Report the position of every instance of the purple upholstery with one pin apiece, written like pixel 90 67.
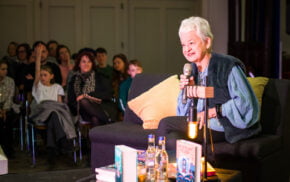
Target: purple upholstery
pixel 128 132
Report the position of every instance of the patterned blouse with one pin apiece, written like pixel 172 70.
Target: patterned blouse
pixel 7 88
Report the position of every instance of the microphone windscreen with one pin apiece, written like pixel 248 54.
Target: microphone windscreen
pixel 187 69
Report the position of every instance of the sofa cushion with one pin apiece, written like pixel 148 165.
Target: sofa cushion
pixel 258 84
pixel 158 102
pixel 121 133
pixel 140 84
pixel 258 147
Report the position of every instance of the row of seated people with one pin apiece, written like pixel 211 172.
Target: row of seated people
pixel 89 93
pixel 21 61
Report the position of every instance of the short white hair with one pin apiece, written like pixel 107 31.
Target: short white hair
pixel 198 24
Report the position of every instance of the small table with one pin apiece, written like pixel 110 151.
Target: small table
pixel 227 175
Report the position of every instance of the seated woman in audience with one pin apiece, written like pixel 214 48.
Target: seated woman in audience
pixel 92 91
pixel 135 68
pixel 64 62
pixel 6 99
pixel 120 65
pixel 49 109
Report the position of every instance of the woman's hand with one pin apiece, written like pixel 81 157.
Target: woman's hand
pixel 29 77
pixel 201 119
pixel 80 97
pixel 185 81
pixel 38 51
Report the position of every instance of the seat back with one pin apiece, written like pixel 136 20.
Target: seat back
pixel 140 84
pixel 275 110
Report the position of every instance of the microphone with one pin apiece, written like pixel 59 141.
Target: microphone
pixel 187 69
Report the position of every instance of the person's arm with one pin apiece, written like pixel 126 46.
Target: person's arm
pixel 242 109
pixel 38 51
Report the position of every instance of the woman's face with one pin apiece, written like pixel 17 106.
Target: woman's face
pixel 119 65
pixel 193 47
pixel 22 54
pixel 3 70
pixel 85 64
pixel 64 54
pixel 12 50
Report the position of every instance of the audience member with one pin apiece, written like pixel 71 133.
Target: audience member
pixel 27 77
pixel 23 53
pixel 11 59
pixel 64 62
pixel 54 67
pixel 135 68
pixel 90 93
pixel 7 88
pixel 49 108
pixel 51 47
pixel 120 65
pixel 102 66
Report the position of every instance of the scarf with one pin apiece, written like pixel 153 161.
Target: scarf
pixel 84 83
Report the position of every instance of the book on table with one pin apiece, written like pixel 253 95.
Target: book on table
pixel 188 161
pixel 126 160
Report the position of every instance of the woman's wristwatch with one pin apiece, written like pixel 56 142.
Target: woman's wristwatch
pixel 219 111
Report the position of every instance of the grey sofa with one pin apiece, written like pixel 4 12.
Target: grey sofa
pixel 262 158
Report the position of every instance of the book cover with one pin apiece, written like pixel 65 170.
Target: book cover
pixel 188 161
pixel 126 163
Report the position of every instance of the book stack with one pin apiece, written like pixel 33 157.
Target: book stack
pixel 106 174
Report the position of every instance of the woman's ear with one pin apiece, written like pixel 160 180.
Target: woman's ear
pixel 208 42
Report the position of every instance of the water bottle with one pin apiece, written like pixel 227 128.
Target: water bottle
pixel 161 161
pixel 150 159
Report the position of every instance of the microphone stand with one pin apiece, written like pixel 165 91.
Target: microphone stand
pixel 192 117
pixel 205 136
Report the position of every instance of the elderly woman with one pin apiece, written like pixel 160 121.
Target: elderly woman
pixel 233 112
pixel 92 91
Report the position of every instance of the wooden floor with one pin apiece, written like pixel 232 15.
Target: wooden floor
pixel 20 167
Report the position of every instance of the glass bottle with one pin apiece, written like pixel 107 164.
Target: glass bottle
pixel 150 159
pixel 161 161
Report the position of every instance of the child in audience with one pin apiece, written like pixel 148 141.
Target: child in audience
pixel 49 109
pixel 45 61
pixel 135 68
